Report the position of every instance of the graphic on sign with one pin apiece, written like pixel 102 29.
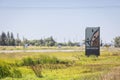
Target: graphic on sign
pixel 92 41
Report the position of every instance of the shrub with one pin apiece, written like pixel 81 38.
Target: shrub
pixel 43 59
pixel 40 60
pixel 16 73
pixel 4 71
pixel 8 71
pixel 28 61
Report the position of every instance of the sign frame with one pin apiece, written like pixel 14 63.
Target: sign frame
pixel 92 41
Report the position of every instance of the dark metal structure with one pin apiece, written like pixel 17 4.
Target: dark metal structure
pixel 92 41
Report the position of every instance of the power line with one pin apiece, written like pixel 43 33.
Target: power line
pixel 62 7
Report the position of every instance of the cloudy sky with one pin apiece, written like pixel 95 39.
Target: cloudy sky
pixel 63 19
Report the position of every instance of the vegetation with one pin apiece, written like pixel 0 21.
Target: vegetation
pixel 117 41
pixel 7 39
pixel 60 66
pixel 6 70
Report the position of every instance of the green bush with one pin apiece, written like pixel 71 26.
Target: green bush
pixel 40 60
pixel 28 61
pixel 16 73
pixel 7 70
pixel 4 71
pixel 44 59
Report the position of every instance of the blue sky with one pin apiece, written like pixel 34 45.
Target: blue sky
pixel 63 19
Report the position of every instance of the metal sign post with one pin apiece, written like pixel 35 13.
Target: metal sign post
pixel 92 41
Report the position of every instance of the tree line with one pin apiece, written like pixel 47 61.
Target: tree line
pixel 8 39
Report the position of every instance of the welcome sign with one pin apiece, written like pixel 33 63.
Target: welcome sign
pixel 92 41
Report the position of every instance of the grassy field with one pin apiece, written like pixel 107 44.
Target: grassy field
pixel 61 65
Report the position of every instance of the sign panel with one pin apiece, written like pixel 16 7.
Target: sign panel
pixel 92 41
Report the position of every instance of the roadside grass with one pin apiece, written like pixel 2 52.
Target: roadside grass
pixel 79 67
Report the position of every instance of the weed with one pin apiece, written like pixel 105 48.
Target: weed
pixel 9 71
pixel 16 73
pixel 37 70
pixel 4 70
pixel 28 61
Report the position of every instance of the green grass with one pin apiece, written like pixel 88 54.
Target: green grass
pixel 70 65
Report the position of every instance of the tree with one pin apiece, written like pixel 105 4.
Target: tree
pixel 117 41
pixel 12 40
pixel 50 41
pixel 42 42
pixel 25 41
pixel 0 40
pixel 8 38
pixel 70 43
pixel 3 39
pixel 18 41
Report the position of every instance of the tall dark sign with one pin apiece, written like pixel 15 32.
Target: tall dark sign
pixel 92 41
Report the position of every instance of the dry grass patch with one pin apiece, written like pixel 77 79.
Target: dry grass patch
pixel 114 74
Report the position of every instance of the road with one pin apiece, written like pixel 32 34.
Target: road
pixel 14 51
pixel 48 50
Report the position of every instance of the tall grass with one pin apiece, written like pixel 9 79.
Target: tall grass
pixel 4 71
pixel 7 70
pixel 113 74
pixel 44 61
pixel 37 70
pixel 62 66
